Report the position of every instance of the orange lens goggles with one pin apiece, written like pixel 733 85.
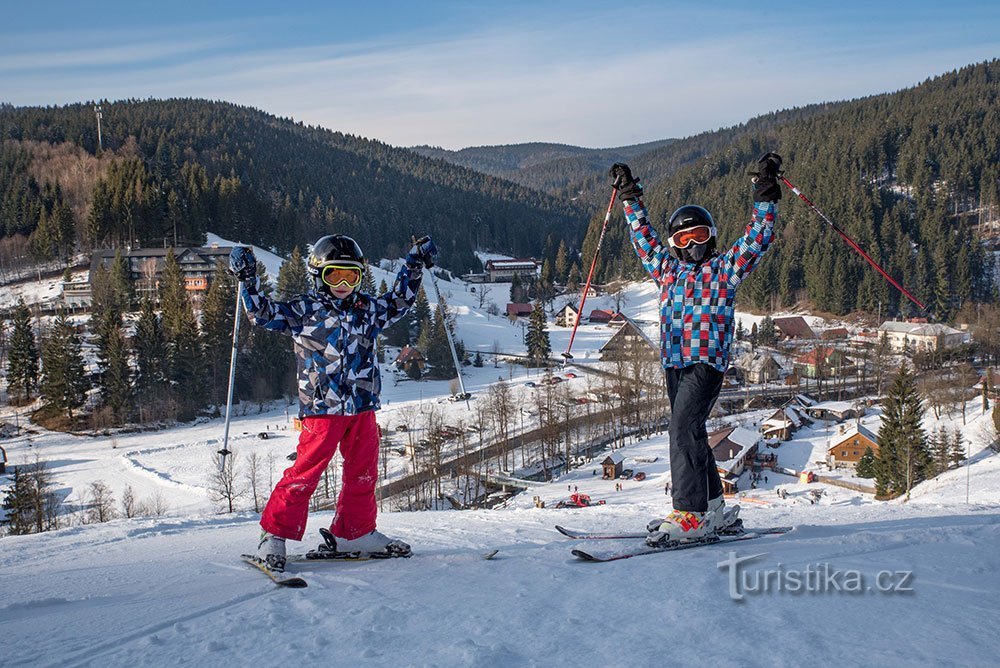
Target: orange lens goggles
pixel 692 235
pixel 336 275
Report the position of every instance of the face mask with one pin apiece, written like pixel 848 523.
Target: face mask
pixel 694 253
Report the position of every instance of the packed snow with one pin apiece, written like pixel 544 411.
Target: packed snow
pixel 170 589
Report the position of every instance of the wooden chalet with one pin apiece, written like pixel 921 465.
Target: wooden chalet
pixel 566 317
pixel 757 367
pixel 831 361
pixel 600 316
pixel 630 342
pixel 519 310
pixel 849 444
pixel 409 355
pixel 834 334
pixel 613 465
pixel 733 448
pixel 837 411
pixel 793 327
pixel 783 423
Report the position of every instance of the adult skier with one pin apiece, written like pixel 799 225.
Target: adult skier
pixel 333 328
pixel 697 293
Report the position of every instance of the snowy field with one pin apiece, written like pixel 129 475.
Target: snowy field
pixel 170 590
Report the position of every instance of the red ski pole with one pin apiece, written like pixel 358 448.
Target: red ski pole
pixel 855 246
pixel 590 275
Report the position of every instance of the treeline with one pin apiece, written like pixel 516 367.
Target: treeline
pixel 909 175
pixel 191 166
pixel 142 358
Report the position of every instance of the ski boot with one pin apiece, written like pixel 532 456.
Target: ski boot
pixel 375 545
pixel 682 526
pixel 271 551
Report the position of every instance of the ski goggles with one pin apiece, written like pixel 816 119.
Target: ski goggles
pixel 699 234
pixel 336 275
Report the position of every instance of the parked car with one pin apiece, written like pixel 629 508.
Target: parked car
pixel 641 475
pixel 530 383
pixel 627 474
pixel 571 375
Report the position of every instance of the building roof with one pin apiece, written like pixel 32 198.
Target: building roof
pixel 600 315
pixel 794 327
pixel 511 264
pixel 824 353
pixel 519 309
pixel 917 328
pixel 408 353
pixel 804 400
pixel 839 439
pixel 754 361
pixel 627 328
pixel 833 406
pixel 783 417
pixel 569 305
pixel 834 333
pixel 731 444
pixel 614 458
pixel 185 255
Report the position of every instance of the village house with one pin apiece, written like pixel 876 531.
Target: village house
pixel 758 367
pixel 733 448
pixel 566 317
pixel 834 334
pixel 849 444
pixel 504 271
pixel 793 327
pixel 600 316
pixel 920 336
pixel 783 423
pixel 836 411
pixel 617 320
pixel 613 465
pixel 519 310
pixel 824 361
pixel 408 355
pixel 630 342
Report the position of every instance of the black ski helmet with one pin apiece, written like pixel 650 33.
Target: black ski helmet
pixel 333 249
pixel 687 216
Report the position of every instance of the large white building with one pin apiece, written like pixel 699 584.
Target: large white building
pixel 505 270
pixel 920 336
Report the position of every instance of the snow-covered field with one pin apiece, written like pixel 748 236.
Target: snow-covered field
pixel 169 590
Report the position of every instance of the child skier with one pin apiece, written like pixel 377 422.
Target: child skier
pixel 333 328
pixel 697 292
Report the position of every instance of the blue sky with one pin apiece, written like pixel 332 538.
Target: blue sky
pixel 457 74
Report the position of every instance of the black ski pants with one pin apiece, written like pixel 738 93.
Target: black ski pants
pixel 693 475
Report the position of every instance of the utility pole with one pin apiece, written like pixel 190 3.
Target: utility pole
pixel 99 114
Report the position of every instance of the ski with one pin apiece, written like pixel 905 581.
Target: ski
pixel 597 535
pixel 316 555
pixel 279 579
pixel 628 553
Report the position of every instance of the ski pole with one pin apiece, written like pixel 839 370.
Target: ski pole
pixel 447 332
pixel 232 380
pixel 590 275
pixel 850 242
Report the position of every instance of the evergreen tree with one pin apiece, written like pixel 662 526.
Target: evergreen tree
pixel 902 459
pixel 539 347
pixel 22 355
pixel 116 373
pixel 767 334
pixel 438 350
pixel 419 315
pixel 561 266
pixel 573 279
pixel 956 456
pixel 266 369
pixel 150 361
pixel 293 279
pixel 477 361
pixel 368 281
pixel 64 384
pixel 217 313
pixel 185 364
pixel 866 465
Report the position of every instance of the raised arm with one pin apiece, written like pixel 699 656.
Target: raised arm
pixel 655 257
pixel 263 311
pixel 398 300
pixel 742 258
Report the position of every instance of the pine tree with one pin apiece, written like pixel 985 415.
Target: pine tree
pixel 561 266
pixel 116 373
pixel 64 384
pixel 420 314
pixel 266 367
pixel 438 350
pixel 368 281
pixel 956 455
pixel 293 279
pixel 902 459
pixel 184 346
pixel 22 356
pixel 150 361
pixel 866 465
pixel 767 334
pixel 539 347
pixel 217 313
pixel 573 279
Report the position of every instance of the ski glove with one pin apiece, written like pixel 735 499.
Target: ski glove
pixel 423 252
pixel 621 177
pixel 765 181
pixel 242 263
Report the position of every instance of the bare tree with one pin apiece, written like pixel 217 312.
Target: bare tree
pixel 129 504
pixel 253 473
pixel 101 503
pixel 224 484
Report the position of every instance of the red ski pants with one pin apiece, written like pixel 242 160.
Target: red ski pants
pixel 288 507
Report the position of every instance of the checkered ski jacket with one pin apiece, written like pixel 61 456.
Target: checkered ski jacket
pixel 696 301
pixel 335 340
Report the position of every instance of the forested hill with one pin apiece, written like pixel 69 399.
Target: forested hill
pixel 911 176
pixel 542 166
pixel 193 166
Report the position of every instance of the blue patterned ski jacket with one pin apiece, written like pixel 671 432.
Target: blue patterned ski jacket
pixel 697 301
pixel 334 340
